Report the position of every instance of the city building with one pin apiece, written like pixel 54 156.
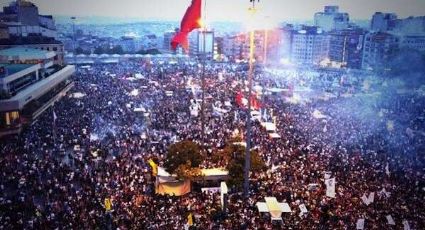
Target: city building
pixel 410 26
pixel 413 42
pixel 346 48
pixel 21 25
pixel 331 19
pixel 382 22
pixel 378 48
pixel 196 43
pixel 36 42
pixel 22 19
pixel 234 46
pixel 218 52
pixel 309 46
pixel 237 47
pixel 168 37
pixel 30 82
pixel 149 42
pixel 285 42
pixel 130 44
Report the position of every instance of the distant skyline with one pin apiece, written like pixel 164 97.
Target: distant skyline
pixel 225 10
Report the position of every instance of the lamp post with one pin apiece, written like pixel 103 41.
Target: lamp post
pixel 74 40
pixel 248 117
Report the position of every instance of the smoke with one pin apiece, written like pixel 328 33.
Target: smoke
pixel 102 128
pixel 360 106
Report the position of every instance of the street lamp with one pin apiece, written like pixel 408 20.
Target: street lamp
pixel 247 167
pixel 73 40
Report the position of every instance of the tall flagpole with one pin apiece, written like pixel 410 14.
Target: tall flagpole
pixel 203 80
pixel 248 119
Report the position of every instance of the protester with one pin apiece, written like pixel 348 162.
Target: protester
pixel 58 172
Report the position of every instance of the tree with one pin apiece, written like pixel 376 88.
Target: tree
pixel 99 50
pixel 234 155
pixel 183 158
pixel 116 50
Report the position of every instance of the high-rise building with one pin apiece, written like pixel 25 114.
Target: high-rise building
pixel 285 43
pixel 378 48
pixel 168 37
pixel 196 43
pixel 32 71
pixel 21 25
pixel 331 19
pixel 410 26
pixel 382 22
pixel 346 47
pixel 309 46
pixel 234 46
pixel 30 83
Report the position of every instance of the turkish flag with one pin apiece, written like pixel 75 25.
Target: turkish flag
pixel 190 21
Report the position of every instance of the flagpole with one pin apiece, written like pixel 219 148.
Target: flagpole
pixel 203 80
pixel 248 119
pixel 54 126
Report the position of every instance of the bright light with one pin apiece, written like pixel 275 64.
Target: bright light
pixel 257 19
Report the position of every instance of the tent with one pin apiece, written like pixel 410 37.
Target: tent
pixel 274 207
pixel 176 188
pixel 274 135
pixel 269 126
pixel 168 184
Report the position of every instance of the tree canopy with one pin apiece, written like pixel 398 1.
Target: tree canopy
pixel 183 158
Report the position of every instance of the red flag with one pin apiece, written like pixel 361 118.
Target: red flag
pixel 243 102
pixel 239 98
pixel 190 21
pixel 255 104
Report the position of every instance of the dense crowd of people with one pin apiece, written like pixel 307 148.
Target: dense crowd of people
pixel 58 172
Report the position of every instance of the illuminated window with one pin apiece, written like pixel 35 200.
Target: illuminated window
pixel 11 118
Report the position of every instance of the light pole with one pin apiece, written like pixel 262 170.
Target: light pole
pixel 248 117
pixel 73 41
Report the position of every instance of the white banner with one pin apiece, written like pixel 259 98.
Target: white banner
pixel 390 220
pixel 330 187
pixel 360 224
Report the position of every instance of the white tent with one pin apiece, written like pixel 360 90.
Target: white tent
pixel 274 135
pixel 274 207
pixel 269 126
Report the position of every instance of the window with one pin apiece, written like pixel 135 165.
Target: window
pixel 10 118
pixel 55 49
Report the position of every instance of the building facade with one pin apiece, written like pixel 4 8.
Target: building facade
pixel 346 47
pixel 21 25
pixel 382 22
pixel 168 37
pixel 331 19
pixel 309 46
pixel 29 83
pixel 413 42
pixel 378 48
pixel 196 43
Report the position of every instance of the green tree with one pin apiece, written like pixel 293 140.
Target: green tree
pixel 183 158
pixel 234 155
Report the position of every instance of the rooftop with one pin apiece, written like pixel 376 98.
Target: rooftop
pixel 24 53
